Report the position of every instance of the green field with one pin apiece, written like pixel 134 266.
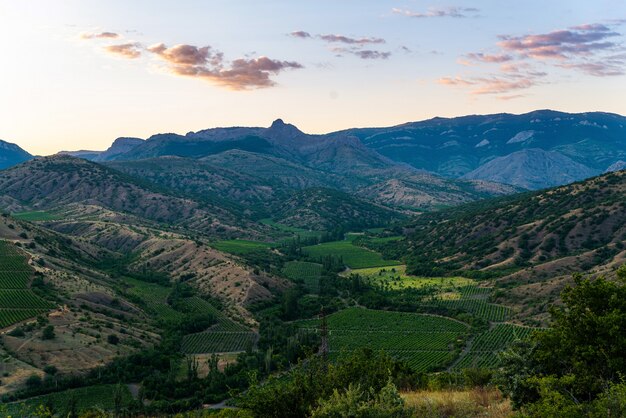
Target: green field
pixel 308 273
pixel 101 396
pixel 395 277
pixel 425 342
pixel 154 297
pixel 217 342
pixel 17 301
pixel 38 215
pixel 240 246
pixel 486 346
pixel 352 256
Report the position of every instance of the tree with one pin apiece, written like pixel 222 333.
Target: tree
pixel 48 333
pixel 580 360
pixel 113 339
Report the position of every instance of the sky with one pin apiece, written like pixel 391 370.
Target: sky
pixel 76 74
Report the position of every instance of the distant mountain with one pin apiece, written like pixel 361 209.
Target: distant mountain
pixel 12 154
pixel 119 147
pixel 532 169
pixel 332 152
pixel 454 147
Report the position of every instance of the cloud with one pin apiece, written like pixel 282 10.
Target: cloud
pixel 128 50
pixel 351 41
pixel 456 12
pixel 101 35
pixel 561 44
pixel 488 58
pixel 210 65
pixel 300 34
pixel 590 48
pixel 597 69
pixel 184 54
pixel 492 84
pixel 368 54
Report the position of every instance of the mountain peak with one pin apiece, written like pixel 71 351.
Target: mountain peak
pixel 278 123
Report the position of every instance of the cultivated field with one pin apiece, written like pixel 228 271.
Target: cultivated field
pixel 354 257
pixel 100 396
pixel 426 342
pixel 308 273
pixel 240 246
pixel 485 347
pixel 17 301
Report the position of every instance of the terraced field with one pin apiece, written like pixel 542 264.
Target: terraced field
pixel 426 342
pixel 17 301
pixel 486 346
pixel 308 273
pixel 100 396
pixel 354 257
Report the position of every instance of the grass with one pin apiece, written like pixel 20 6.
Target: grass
pixel 100 396
pixel 478 402
pixel 352 256
pixel 395 277
pixel 425 342
pixel 38 215
pixel 240 246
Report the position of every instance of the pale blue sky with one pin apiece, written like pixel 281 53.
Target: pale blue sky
pixel 61 91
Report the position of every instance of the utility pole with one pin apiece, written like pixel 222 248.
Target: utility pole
pixel 324 335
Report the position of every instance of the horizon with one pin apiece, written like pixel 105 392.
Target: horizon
pixel 105 70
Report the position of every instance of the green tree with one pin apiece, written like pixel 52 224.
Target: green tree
pixel 48 333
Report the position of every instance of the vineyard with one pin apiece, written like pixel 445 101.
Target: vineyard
pixel 478 307
pixel 154 297
pixel 101 396
pixel 485 347
pixel 352 256
pixel 224 323
pixel 308 273
pixel 17 301
pixel 426 342
pixel 218 342
pixel 239 246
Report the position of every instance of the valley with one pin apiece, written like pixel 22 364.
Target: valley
pixel 160 275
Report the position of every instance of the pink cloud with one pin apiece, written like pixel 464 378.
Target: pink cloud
pixel 129 50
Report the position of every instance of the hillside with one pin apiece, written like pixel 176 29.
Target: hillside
pixel 456 146
pixel 326 209
pixel 59 181
pixel 12 154
pixel 530 242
